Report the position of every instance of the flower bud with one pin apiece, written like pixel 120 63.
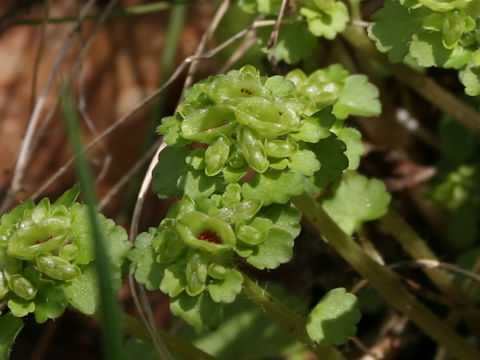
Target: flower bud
pixel 253 150
pixel 280 148
pixel 56 267
pixel 22 287
pixel 196 274
pixel 216 156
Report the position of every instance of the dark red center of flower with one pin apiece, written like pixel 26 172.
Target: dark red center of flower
pixel 210 236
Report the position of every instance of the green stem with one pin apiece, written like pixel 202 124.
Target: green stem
pixel 132 10
pixel 421 84
pixel 179 348
pixel 418 249
pixel 294 323
pixel 384 281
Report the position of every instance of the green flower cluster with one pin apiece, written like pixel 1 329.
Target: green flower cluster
pixel 190 255
pixel 442 33
pixel 253 143
pixel 46 256
pixel 247 121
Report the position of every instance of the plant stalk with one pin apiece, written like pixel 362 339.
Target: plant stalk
pixel 181 350
pixel 295 324
pixel 384 281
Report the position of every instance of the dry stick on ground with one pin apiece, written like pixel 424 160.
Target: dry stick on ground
pixel 25 150
pixel 150 98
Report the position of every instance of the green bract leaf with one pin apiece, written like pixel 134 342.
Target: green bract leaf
pixel 277 248
pixel 143 265
pixel 82 292
pixel 316 126
pixel 427 49
pixel 11 327
pixel 304 162
pixel 227 289
pixel 68 197
pixel 273 187
pixel 357 97
pixel 174 280
pixel 170 128
pixel 200 311
pixel 354 200
pixel 166 175
pixel 50 301
pixel 334 318
pixel 326 22
pixel 284 217
pixel 394 36
pixel 354 147
pixel 288 48
pixel 470 78
pixel 330 153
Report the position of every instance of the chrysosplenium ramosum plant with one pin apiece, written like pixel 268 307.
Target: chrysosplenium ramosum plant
pixel 47 258
pixel 441 33
pixel 240 147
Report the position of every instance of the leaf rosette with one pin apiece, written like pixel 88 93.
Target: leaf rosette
pixel 44 250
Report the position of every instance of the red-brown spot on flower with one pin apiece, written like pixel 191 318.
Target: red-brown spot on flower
pixel 42 241
pixel 210 236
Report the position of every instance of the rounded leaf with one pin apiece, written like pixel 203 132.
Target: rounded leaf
pixel 334 318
